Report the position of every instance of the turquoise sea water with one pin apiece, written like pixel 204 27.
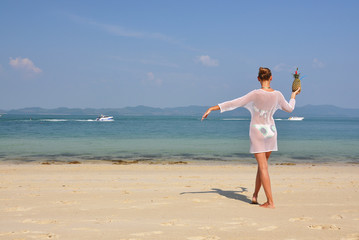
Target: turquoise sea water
pixel 156 138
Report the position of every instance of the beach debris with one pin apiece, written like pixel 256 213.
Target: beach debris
pixel 168 162
pixel 48 162
pixel 178 162
pixel 122 162
pixel 74 162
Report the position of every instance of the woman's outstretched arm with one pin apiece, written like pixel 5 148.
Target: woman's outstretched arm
pixel 209 110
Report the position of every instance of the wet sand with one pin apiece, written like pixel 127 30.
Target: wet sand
pixel 193 201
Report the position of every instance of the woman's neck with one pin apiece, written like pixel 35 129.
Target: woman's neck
pixel 265 84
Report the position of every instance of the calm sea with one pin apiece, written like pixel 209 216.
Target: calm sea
pixel 156 138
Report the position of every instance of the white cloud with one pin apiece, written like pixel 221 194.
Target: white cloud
pixel 317 64
pixel 24 64
pixel 280 67
pixel 150 76
pixel 118 30
pixel 151 79
pixel 207 61
pixel 121 31
pixel 112 29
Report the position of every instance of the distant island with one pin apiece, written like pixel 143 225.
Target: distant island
pixel 305 111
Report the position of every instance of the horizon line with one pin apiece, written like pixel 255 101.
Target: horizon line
pixel 94 108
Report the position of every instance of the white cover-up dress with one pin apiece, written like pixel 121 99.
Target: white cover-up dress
pixel 262 105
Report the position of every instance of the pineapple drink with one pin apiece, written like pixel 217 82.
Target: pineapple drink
pixel 296 83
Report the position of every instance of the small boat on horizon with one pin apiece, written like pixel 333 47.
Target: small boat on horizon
pixel 104 118
pixel 295 118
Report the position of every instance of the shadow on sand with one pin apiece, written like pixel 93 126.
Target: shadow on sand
pixel 236 195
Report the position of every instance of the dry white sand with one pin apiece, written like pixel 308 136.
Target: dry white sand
pixel 191 202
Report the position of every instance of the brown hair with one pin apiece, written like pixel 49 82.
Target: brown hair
pixel 264 73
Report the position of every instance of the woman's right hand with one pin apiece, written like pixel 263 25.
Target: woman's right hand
pixel 294 94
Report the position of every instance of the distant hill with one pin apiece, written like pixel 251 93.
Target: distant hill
pixel 305 111
pixel 325 111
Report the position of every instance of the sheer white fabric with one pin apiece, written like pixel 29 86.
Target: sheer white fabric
pixel 262 105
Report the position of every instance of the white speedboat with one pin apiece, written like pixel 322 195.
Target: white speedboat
pixel 296 118
pixel 104 118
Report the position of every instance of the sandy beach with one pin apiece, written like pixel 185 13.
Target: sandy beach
pixel 194 201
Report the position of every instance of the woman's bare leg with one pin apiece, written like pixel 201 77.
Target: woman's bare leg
pixel 257 188
pixel 258 183
pixel 262 160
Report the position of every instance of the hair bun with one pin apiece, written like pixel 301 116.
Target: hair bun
pixel 264 73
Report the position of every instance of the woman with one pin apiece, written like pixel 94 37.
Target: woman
pixel 262 104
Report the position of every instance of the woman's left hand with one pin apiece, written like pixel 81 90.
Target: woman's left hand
pixel 205 115
pixel 209 110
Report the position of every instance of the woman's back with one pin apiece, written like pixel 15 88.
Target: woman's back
pixel 262 106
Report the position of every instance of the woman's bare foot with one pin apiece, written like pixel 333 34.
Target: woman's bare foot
pixel 267 205
pixel 254 200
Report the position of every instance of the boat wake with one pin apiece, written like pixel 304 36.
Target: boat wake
pixel 68 120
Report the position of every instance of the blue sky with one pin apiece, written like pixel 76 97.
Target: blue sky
pixel 174 53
